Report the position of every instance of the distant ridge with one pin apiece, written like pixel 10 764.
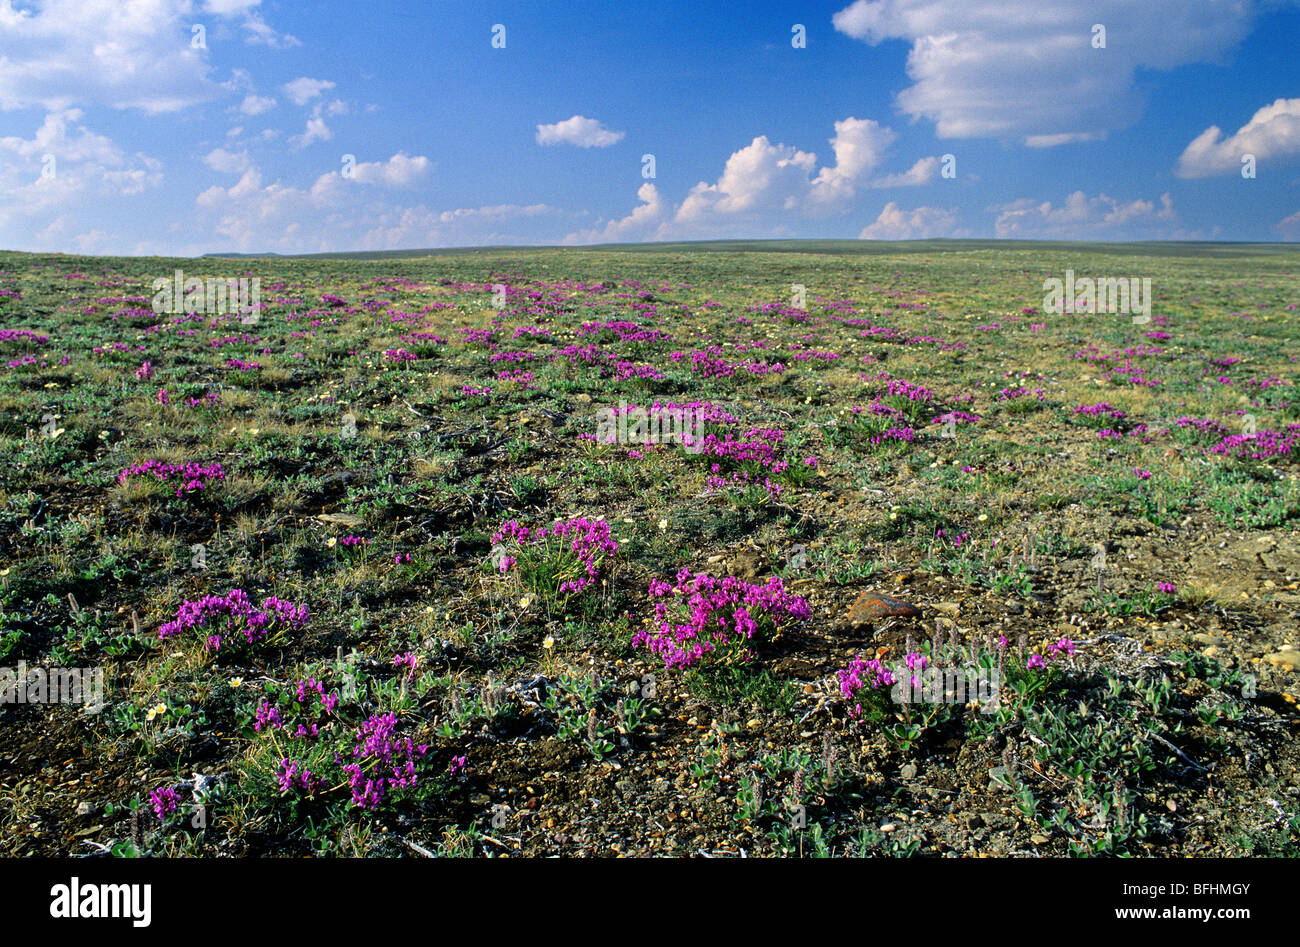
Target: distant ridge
pixel 815 246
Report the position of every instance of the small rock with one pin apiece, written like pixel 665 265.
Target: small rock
pixel 350 520
pixel 1039 839
pixel 870 607
pixel 1284 659
pixel 908 771
pixel 746 564
pixel 951 609
pixel 85 809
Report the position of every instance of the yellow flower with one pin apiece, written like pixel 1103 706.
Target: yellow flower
pixel 525 602
pixel 332 542
pixel 548 643
pixel 155 710
pixel 236 682
pixel 983 517
pixel 663 524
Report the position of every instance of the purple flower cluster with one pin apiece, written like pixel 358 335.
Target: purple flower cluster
pixel 13 335
pixel 901 387
pixel 1061 646
pixel 294 775
pixel 1100 409
pixel 1020 391
pixel 901 435
pixel 241 617
pixel 1258 446
pixel 310 706
pixel 378 749
pixel 709 363
pixel 862 673
pixel 209 400
pixel 956 417
pixel 193 476
pixel 702 614
pixel 588 540
pixel 756 449
pixel 625 330
pixel 740 479
pixel 164 802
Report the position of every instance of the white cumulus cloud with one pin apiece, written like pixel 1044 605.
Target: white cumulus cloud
pixel 401 170
pixel 134 54
pixel 1081 217
pixel 992 69
pixel 303 89
pixel 1272 132
pixel 894 223
pixel 580 131
pixel 646 222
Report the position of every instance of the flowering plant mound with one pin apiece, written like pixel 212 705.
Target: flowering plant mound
pixel 193 477
pixel 564 559
pixel 1261 445
pixel 18 335
pixel 381 761
pixel 233 620
pixel 703 618
pixel 310 748
pixel 874 674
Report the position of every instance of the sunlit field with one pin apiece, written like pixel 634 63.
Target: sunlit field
pixel 679 551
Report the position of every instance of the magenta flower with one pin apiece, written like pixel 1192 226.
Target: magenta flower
pixel 702 614
pixel 164 801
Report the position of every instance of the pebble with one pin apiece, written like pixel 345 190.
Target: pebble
pixel 1284 659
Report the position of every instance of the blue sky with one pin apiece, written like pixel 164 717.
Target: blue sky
pixel 124 130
